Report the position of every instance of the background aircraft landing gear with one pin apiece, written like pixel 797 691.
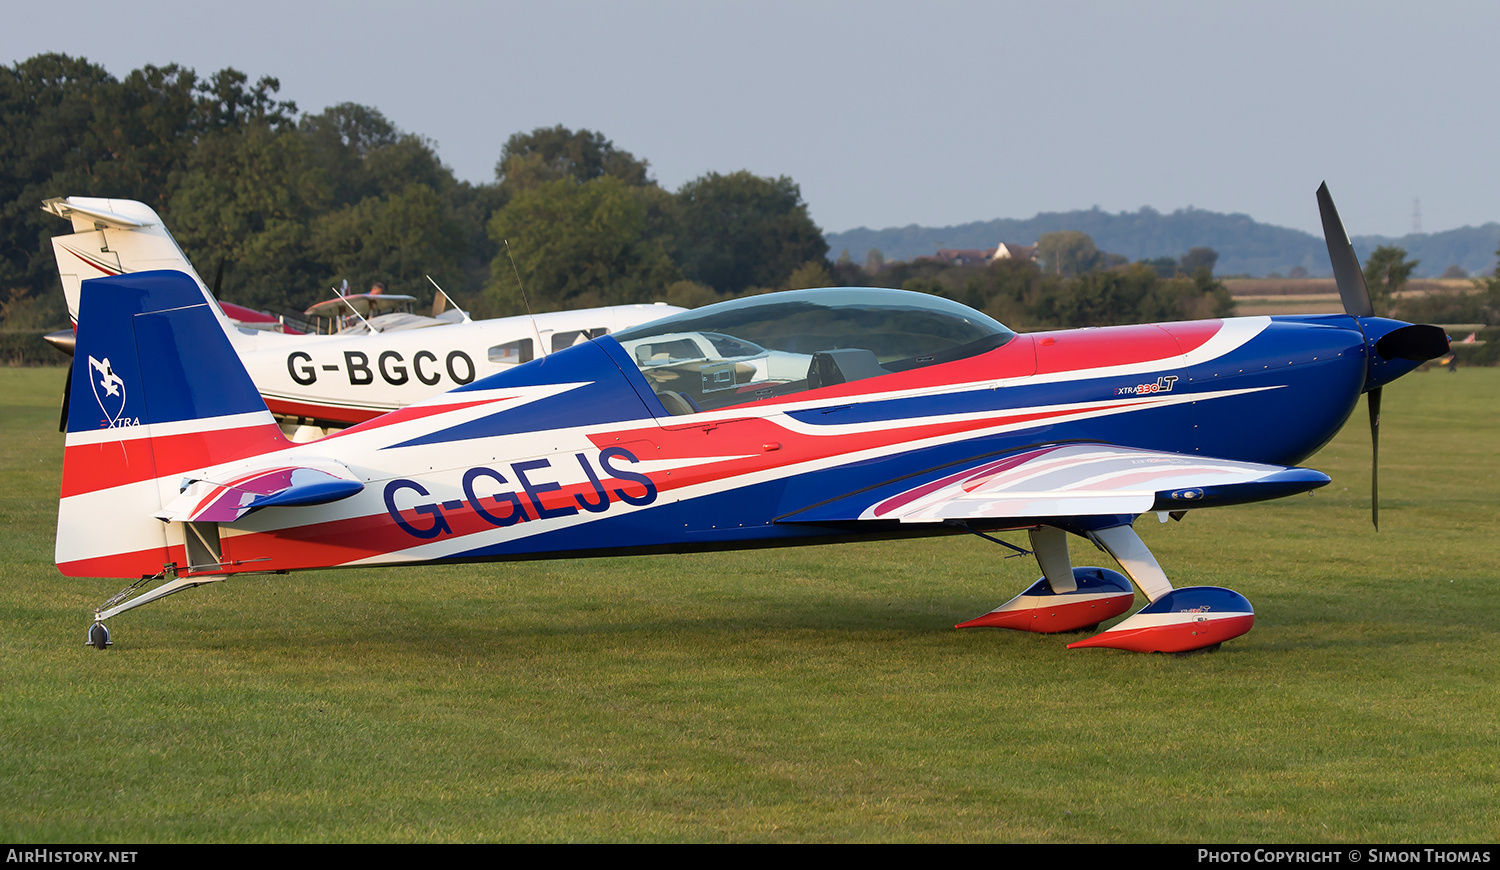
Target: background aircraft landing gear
pixel 98 636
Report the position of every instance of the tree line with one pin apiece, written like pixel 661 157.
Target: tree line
pixel 288 205
pixel 285 205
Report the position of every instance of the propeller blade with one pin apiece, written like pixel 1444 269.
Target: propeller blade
pixel 1346 271
pixel 219 277
pixel 1374 396
pixel 62 422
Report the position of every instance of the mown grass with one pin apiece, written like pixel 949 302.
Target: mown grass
pixel 811 694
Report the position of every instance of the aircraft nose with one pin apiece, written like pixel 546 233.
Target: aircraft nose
pixel 1397 347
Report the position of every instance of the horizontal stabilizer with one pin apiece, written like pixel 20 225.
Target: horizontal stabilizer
pixel 215 502
pixel 1077 480
pixel 89 212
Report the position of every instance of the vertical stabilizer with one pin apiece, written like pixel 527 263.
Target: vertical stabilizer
pixel 118 237
pixel 157 391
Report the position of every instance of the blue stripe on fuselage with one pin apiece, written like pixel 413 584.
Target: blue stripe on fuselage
pixel 605 397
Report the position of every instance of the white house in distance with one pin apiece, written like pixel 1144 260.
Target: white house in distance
pixel 980 256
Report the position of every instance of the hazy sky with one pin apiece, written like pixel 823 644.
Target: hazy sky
pixel 891 113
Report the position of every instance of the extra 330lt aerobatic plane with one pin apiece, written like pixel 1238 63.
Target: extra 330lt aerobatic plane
pixel 792 418
pixel 330 381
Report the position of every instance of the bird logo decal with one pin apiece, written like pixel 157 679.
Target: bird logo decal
pixel 109 390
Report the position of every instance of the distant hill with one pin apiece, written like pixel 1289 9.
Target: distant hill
pixel 1245 246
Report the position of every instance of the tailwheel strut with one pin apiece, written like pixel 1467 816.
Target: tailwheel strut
pixel 98 636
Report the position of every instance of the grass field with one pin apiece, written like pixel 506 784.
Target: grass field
pixel 791 695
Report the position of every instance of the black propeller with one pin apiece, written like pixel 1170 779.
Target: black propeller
pixel 1417 342
pixel 62 420
pixel 1357 304
pixel 1346 271
pixel 65 341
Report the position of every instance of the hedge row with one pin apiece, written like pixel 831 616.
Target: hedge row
pixel 28 349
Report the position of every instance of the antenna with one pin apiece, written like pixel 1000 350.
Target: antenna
pixel 450 298
pixel 368 325
pixel 540 351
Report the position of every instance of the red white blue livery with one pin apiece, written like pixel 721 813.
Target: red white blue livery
pixel 805 417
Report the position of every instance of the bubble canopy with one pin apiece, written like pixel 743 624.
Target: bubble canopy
pixel 761 347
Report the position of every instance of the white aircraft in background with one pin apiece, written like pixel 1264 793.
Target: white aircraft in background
pixel 377 362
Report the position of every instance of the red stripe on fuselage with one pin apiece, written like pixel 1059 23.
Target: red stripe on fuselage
pixel 140 563
pixel 1076 350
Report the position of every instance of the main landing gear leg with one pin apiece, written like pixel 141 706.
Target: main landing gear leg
pixel 1065 598
pixel 1078 599
pixel 1176 620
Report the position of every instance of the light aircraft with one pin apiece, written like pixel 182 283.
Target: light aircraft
pixel 382 361
pixel 803 417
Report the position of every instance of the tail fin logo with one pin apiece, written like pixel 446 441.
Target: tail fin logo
pixel 109 391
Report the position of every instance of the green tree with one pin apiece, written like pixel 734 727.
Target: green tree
pixel 67 127
pixel 47 145
pixel 813 273
pixel 397 240
pixel 550 153
pixel 248 198
pixel 362 154
pixel 577 245
pixel 1166 267
pixel 1199 258
pixel 1386 273
pixel 687 294
pixel 738 231
pixel 1068 253
pixel 226 103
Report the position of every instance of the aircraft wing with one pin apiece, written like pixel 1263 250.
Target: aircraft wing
pixel 281 486
pixel 1075 480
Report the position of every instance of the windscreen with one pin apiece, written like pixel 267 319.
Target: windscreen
pixel 761 347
